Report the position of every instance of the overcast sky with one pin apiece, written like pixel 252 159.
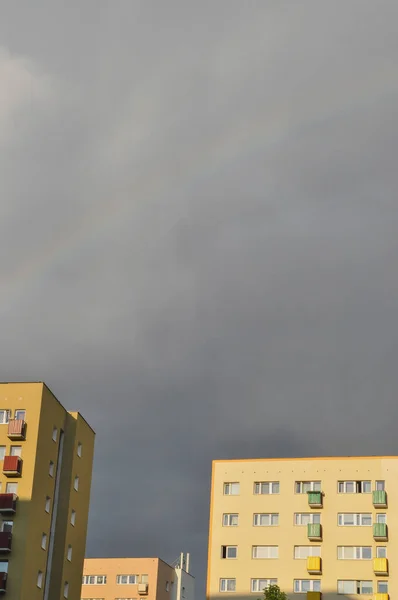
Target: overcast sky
pixel 199 239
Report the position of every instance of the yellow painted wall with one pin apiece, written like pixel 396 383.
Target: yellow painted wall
pixel 287 535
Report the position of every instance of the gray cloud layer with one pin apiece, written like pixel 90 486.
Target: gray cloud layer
pixel 198 234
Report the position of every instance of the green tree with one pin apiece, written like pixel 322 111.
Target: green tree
pixel 273 592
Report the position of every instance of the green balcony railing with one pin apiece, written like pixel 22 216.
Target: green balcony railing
pixel 314 531
pixel 380 531
pixel 315 499
pixel 380 498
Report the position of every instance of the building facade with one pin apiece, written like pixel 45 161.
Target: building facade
pixel 46 456
pixel 134 578
pixel 313 526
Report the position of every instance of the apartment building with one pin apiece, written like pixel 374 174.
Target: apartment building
pixel 134 578
pixel 313 526
pixel 46 456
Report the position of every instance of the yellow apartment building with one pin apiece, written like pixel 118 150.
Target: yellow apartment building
pixel 134 578
pixel 314 526
pixel 46 456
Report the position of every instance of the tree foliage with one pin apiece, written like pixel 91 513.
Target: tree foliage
pixel 273 592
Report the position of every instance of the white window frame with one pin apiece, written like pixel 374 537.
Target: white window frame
pixel 66 589
pixel 259 517
pixel 17 414
pixel 7 526
pixel 307 551
pixel 39 581
pixel 131 579
pixel 55 434
pixel 358 486
pixel 227 519
pixel 381 551
pixel 16 451
pixel 94 580
pixel 380 485
pixel 382 586
pixel 257 586
pixel 47 506
pixel 269 550
pixel 79 449
pixel 260 488
pixel 51 468
pixel 356 587
pixel 381 518
pixel 300 487
pixel 44 541
pixel 357 552
pixel 357 518
pixel 227 584
pixel 73 517
pixel 231 488
pixel 299 517
pixel 5 415
pixel 13 485
pixel 76 483
pixel 69 553
pixel 3 451
pixel 313 585
pixel 225 550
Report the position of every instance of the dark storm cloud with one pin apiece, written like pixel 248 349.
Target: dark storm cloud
pixel 198 240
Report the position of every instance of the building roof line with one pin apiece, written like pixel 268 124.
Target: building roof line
pixel 292 458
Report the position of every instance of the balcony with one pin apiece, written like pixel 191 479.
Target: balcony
pixel 380 499
pixel 16 429
pixel 3 583
pixel 316 596
pixel 381 596
pixel 380 566
pixel 315 499
pixel 314 565
pixel 12 466
pixel 8 504
pixel 142 589
pixel 380 532
pixel 5 541
pixel 314 532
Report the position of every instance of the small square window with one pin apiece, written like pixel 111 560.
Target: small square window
pixel 7 526
pixel 48 504
pixel 69 553
pixel 20 415
pixel 144 578
pixel 16 451
pixel 4 416
pixel 11 488
pixel 380 485
pixel 73 517
pixel 382 587
pixel 39 579
pixel 381 551
pixel 76 483
pixel 79 449
pixel 44 541
pixel 2 452
pixel 51 469
pixel 55 434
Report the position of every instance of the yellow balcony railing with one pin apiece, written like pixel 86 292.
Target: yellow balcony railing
pixel 314 565
pixel 381 597
pixel 380 566
pixel 318 596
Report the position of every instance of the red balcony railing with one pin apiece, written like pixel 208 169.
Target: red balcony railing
pixel 12 466
pixel 3 582
pixel 16 429
pixel 5 541
pixel 8 503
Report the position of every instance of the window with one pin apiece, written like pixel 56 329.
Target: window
pixel 259 585
pixel 381 551
pixel 55 434
pixel 265 551
pixel 229 551
pixel 66 589
pixel 231 489
pixel 303 487
pixel 355 519
pixel 227 585
pixel 144 578
pixel 11 488
pixel 73 517
pixel 48 504
pixel 39 582
pixel 354 552
pixel 126 579
pixel 302 586
pixel 382 587
pixel 44 541
pixel 380 485
pixel 3 566
pixel 4 416
pixel 265 519
pixel 266 487
pixel 307 518
pixel 79 449
pixel 230 520
pixel 69 553
pixel 7 526
pixel 20 414
pixel 381 518
pixel 354 587
pixel 16 451
pixel 306 551
pixel 94 579
pixel 51 469
pixel 354 487
pixel 2 452
pixel 167 586
pixel 76 483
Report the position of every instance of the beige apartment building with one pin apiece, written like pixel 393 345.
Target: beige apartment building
pixel 134 578
pixel 314 526
pixel 46 456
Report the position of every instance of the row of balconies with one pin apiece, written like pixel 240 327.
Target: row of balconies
pixel 315 499
pixel 8 506
pixel 380 532
pixel 12 466
pixel 314 565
